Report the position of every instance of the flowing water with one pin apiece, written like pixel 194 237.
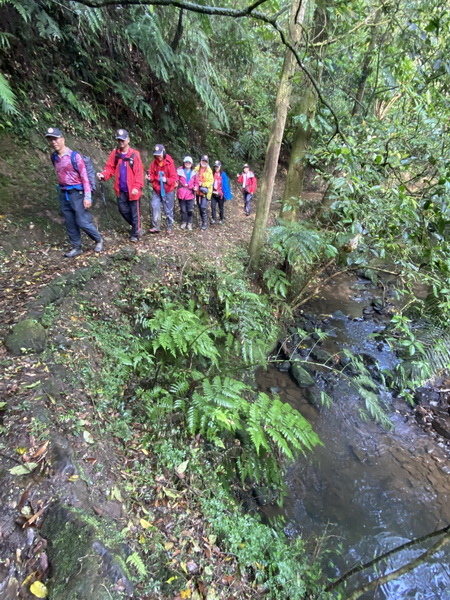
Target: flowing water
pixel 367 490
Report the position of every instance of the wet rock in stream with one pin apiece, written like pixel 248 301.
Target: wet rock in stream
pixel 301 376
pixel 442 426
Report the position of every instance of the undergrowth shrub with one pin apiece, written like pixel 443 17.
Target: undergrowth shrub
pixel 192 364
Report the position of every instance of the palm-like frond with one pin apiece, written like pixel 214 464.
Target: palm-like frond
pixel 7 97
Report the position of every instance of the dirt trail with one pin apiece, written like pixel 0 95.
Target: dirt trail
pixel 25 272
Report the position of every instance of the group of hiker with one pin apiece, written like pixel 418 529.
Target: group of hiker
pixel 191 185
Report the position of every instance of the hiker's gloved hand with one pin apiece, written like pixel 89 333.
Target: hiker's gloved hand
pixel 100 176
pixel 87 203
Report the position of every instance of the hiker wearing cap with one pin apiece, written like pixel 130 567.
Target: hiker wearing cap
pixel 162 174
pixel 203 188
pixel 126 166
pixel 248 182
pixel 220 193
pixel 187 181
pixel 75 197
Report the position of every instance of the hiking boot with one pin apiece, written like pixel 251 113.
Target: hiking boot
pixel 99 246
pixel 183 226
pixel 213 222
pixel 203 226
pixel 153 230
pixel 134 239
pixel 74 252
pixel 220 222
pixel 189 226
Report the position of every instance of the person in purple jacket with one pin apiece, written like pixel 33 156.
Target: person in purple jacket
pixel 74 194
pixel 187 181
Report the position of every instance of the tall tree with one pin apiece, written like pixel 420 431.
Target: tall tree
pixel 304 114
pixel 298 10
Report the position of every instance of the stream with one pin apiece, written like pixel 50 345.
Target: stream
pixel 366 490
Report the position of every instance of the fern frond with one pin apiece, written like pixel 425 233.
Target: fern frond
pixel 300 243
pixel 136 561
pixel 7 97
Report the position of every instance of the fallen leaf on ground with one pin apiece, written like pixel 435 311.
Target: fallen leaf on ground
pixel 39 589
pixel 23 469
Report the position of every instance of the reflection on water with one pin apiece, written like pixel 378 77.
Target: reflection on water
pixel 369 489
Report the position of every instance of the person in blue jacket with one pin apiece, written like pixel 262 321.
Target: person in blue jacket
pixel 221 192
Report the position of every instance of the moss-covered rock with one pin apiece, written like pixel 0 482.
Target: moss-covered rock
pixel 301 376
pixel 26 336
pixel 84 563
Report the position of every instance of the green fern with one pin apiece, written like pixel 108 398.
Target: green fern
pixel 277 281
pixel 246 320
pixel 300 244
pixel 226 405
pixel 181 332
pixel 136 561
pixel 5 39
pixel 24 8
pixel 250 145
pixel 7 97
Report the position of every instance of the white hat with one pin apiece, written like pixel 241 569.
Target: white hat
pixel 188 159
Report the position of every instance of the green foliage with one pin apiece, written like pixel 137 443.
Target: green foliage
pixel 281 566
pixel 190 372
pixel 369 391
pixel 300 244
pixel 181 332
pixel 273 427
pixel 7 98
pixel 246 320
pixel 277 281
pixel 136 561
pixel 250 145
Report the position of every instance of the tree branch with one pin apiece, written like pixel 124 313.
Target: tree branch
pixel 408 567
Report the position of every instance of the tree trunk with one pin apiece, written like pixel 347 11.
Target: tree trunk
pixel 294 181
pixel 298 10
pixel 300 142
pixel 366 66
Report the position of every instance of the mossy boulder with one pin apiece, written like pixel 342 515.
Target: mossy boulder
pixel 85 559
pixel 25 337
pixel 301 376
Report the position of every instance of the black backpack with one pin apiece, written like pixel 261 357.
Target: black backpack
pixel 129 159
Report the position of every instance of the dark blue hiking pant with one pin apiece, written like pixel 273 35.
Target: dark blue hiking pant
pixel 247 201
pixel 76 217
pixel 202 203
pixel 131 212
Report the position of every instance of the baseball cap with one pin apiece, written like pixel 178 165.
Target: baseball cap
pixel 205 158
pixel 188 159
pixel 246 166
pixel 53 132
pixel 121 134
pixel 159 150
pixel 217 163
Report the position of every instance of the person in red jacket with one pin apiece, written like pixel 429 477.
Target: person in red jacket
pixel 126 166
pixel 162 174
pixel 248 182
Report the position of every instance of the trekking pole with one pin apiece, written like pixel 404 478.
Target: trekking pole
pixel 102 191
pixel 161 184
